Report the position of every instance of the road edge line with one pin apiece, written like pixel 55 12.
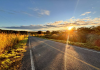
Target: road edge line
pixel 86 49
pixel 32 62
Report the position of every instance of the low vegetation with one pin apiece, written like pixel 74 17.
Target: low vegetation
pixel 11 59
pixel 88 37
pixel 7 41
pixel 77 44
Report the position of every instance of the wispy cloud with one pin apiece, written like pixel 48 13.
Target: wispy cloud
pixel 40 12
pixel 94 12
pixel 16 12
pixel 44 12
pixel 55 23
pixel 27 27
pixel 92 7
pixel 34 9
pixel 32 1
pixel 2 10
pixel 85 13
pixel 7 11
pixel 27 13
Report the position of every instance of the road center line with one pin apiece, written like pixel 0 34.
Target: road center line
pixel 32 62
pixel 74 57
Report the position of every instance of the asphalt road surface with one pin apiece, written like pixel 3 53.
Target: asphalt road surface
pixel 45 54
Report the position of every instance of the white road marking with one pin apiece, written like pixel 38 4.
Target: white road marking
pixel 73 57
pixel 32 62
pixel 86 49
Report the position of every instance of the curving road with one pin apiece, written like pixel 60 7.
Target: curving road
pixel 45 54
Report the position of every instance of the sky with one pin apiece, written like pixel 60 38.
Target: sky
pixel 44 15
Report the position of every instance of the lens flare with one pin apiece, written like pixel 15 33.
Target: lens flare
pixel 69 28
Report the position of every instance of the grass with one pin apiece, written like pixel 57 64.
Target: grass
pixel 11 59
pixel 85 45
pixel 7 41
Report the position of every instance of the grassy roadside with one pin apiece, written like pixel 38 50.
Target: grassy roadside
pixel 76 44
pixel 11 59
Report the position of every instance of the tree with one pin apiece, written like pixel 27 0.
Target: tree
pixel 39 32
pixel 55 32
pixel 47 32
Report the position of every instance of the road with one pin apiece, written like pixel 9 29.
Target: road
pixel 50 55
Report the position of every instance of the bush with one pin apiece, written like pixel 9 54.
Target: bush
pixel 93 39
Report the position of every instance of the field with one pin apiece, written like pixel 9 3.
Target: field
pixel 12 47
pixel 7 41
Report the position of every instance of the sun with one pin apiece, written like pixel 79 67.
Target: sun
pixel 69 28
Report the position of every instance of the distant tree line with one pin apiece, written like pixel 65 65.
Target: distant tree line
pixel 82 34
pixel 13 31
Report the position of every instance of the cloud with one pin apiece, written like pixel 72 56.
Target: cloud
pixel 50 26
pixel 14 12
pixel 40 12
pixel 46 26
pixel 36 9
pixel 83 22
pixel 27 27
pixel 55 23
pixel 36 12
pixel 96 20
pixel 94 12
pixel 44 12
pixel 65 22
pixel 61 24
pixel 79 24
pixel 88 21
pixel 85 13
pixel 32 1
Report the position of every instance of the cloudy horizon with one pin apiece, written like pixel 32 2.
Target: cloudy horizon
pixel 48 15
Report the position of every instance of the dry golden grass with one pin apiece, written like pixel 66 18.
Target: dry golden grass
pixel 8 40
pixel 12 60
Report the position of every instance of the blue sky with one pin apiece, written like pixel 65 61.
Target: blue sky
pixel 48 14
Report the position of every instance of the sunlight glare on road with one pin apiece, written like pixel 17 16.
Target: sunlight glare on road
pixel 66 47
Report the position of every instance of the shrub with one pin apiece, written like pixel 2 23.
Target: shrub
pixel 93 39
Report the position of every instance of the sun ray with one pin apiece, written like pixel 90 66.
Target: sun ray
pixel 69 28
